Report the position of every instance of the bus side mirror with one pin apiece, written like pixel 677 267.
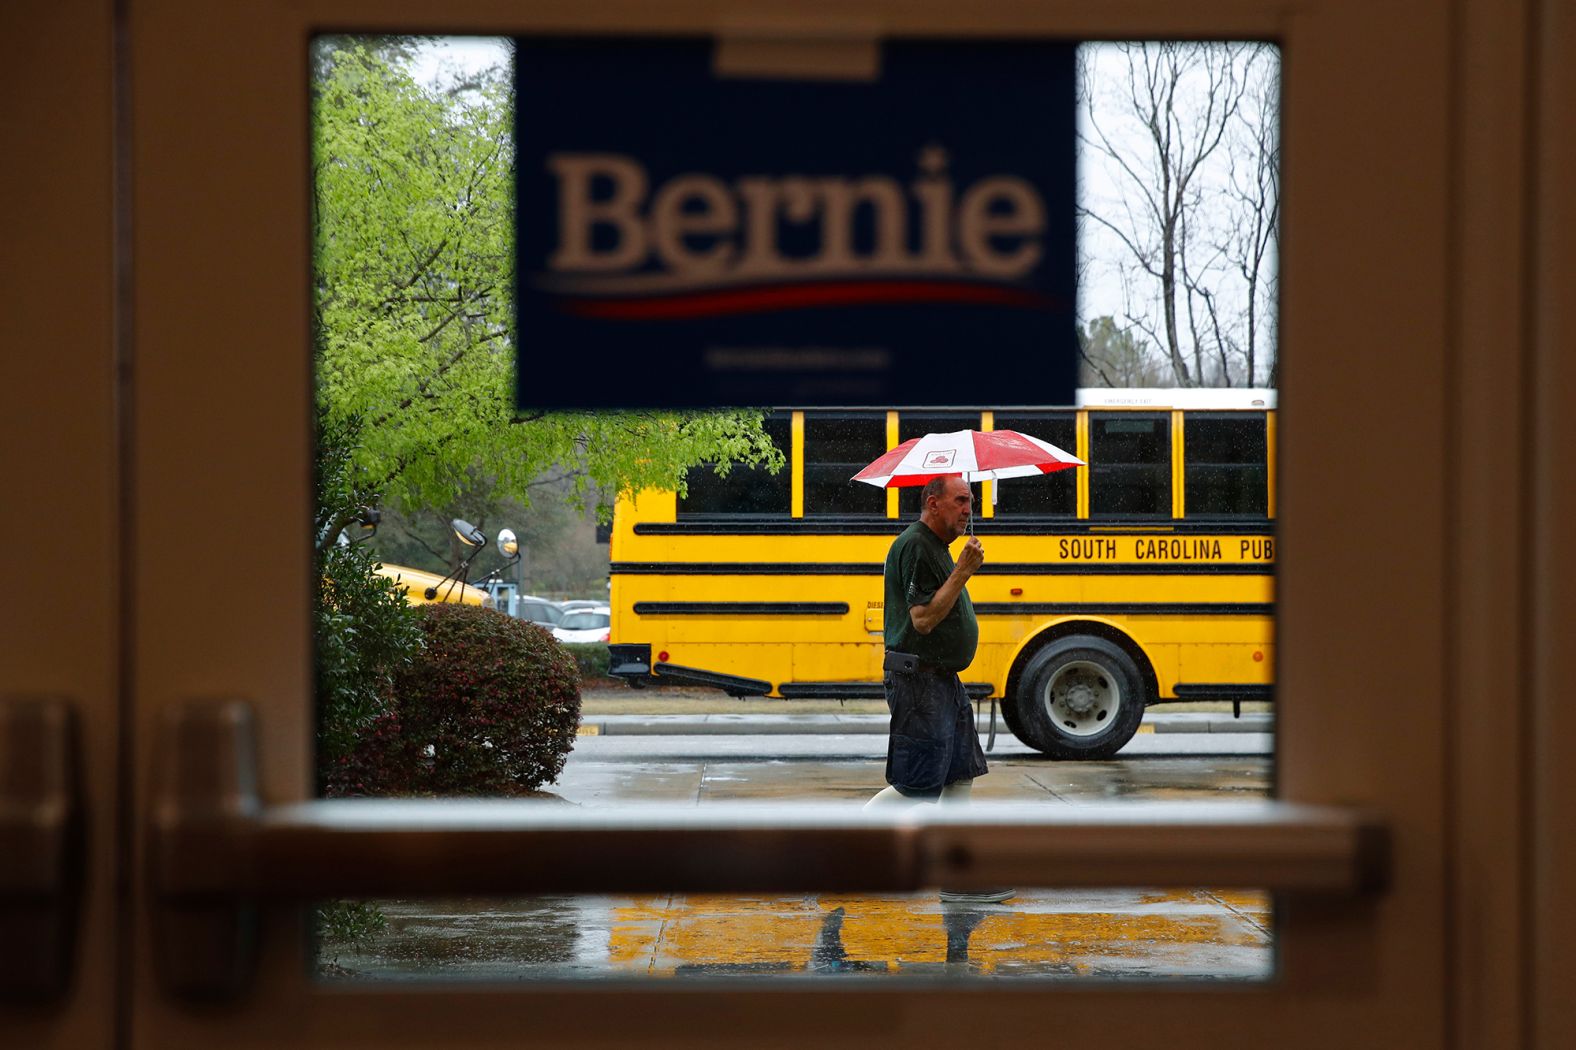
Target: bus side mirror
pixel 508 546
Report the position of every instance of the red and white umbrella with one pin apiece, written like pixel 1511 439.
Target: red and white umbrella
pixel 978 455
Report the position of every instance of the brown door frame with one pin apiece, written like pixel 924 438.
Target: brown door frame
pixel 60 629
pixel 1426 261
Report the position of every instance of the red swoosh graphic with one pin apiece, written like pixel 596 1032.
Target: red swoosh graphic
pixel 801 297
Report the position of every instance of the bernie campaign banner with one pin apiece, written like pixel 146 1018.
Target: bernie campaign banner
pixel 686 239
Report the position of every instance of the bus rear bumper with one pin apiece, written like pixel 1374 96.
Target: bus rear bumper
pixel 632 662
pixel 629 661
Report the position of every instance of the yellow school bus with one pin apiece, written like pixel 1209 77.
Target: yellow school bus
pixel 415 583
pixel 1145 577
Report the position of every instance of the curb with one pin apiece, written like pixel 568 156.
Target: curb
pixel 842 725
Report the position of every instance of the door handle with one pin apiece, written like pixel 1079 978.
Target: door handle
pixel 218 852
pixel 42 845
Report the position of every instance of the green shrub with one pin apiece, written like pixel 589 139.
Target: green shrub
pixel 488 707
pixel 364 630
pixel 365 634
pixel 346 925
pixel 590 657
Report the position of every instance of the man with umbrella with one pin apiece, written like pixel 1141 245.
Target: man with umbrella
pixel 933 751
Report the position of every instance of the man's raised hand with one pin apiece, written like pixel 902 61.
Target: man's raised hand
pixel 971 557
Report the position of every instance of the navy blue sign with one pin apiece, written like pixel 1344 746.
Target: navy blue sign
pixel 690 240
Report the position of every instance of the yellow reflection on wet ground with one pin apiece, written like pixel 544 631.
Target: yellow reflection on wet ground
pixel 1103 933
pixel 1111 934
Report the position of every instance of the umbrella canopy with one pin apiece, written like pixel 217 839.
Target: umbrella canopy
pixel 978 455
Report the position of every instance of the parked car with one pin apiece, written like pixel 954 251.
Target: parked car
pixel 582 603
pixel 585 625
pixel 540 611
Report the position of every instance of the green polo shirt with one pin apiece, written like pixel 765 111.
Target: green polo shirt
pixel 916 566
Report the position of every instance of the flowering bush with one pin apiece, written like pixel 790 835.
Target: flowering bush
pixel 489 707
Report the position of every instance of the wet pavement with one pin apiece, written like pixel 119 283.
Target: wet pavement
pixel 608 782
pixel 1053 934
pixel 1194 934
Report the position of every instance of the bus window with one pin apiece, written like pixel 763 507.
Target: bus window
pixel 1226 474
pixel 1129 465
pixel 836 447
pixel 745 491
pixel 918 424
pixel 1050 495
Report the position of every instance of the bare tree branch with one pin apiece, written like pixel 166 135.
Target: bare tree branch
pixel 1168 132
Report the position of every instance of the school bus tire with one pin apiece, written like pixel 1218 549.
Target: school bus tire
pixel 1009 715
pixel 1079 697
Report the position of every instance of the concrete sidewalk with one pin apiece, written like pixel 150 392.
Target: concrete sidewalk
pixel 842 725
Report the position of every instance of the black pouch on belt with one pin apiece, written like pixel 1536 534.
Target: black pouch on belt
pixel 900 663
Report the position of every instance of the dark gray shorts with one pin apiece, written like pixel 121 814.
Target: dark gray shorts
pixel 931 741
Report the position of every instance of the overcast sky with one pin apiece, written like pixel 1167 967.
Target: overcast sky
pixel 436 62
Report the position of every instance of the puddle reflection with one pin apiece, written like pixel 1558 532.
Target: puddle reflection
pixel 1103 934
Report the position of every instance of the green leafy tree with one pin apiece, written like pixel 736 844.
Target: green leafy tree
pixel 413 226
